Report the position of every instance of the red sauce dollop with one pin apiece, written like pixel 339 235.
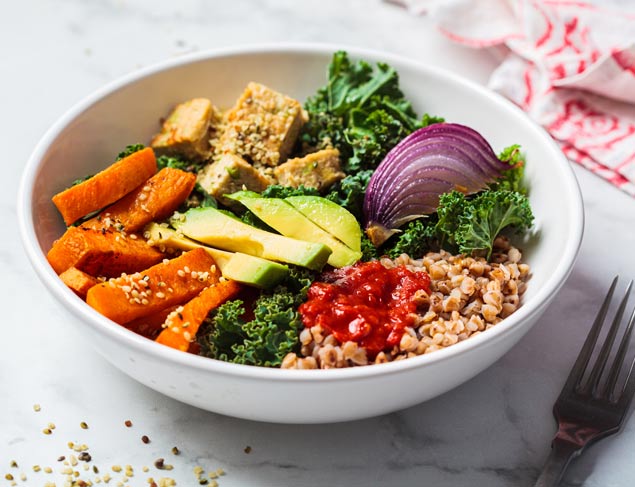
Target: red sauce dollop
pixel 365 303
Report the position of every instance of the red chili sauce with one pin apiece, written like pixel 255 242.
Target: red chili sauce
pixel 365 303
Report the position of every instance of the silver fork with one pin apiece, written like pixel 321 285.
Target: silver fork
pixel 592 409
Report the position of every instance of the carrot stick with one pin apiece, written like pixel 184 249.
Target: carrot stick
pixel 150 326
pixel 107 186
pixel 181 326
pixel 171 282
pixel 101 253
pixel 155 199
pixel 79 281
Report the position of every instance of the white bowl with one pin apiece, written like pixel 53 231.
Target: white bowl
pixel 128 110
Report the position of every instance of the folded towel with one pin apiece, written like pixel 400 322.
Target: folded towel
pixel 569 64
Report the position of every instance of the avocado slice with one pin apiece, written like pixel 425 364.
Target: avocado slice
pixel 331 217
pixel 236 266
pixel 284 218
pixel 216 228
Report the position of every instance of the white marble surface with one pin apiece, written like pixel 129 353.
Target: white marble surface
pixel 493 431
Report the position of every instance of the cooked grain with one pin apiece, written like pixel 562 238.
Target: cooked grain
pixel 468 295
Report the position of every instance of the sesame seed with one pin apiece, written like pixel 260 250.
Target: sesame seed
pixel 83 425
pixel 37 408
pixel 128 423
pixel 116 468
pixel 47 431
pixel 186 269
pixel 145 439
pixel 175 450
pixel 180 273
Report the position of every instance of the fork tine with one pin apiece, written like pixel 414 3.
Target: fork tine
pixel 614 373
pixel 593 382
pixel 577 372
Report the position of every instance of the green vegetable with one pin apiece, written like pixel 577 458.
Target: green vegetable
pixel 269 336
pixel 179 163
pixel 361 111
pixel 472 224
pixel 415 239
pixel 349 192
pixel 369 251
pixel 513 177
pixel 278 191
pixel 130 149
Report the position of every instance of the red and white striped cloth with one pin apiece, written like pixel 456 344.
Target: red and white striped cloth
pixel 569 64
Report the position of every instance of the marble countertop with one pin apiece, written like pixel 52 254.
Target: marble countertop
pixel 493 431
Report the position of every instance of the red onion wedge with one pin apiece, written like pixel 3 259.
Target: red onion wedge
pixel 429 162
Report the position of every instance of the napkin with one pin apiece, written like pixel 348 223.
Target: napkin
pixel 569 64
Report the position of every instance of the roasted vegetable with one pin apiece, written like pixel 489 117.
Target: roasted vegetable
pixel 171 282
pixel 101 253
pixel 156 199
pixel 107 186
pixel 78 281
pixel 182 324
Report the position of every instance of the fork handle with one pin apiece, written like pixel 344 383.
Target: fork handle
pixel 562 452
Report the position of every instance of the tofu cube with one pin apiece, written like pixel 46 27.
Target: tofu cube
pixel 262 127
pixel 188 129
pixel 228 174
pixel 318 170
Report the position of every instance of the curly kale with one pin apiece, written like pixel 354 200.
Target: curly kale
pixel 279 191
pixel 415 239
pixel 472 224
pixel 130 149
pixel 266 338
pixel 361 111
pixel 179 163
pixel 369 251
pixel 349 192
pixel 512 179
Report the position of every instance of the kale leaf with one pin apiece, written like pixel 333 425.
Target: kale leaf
pixel 349 192
pixel 130 149
pixel 279 191
pixel 472 224
pixel 179 163
pixel 512 179
pixel 415 239
pixel 361 112
pixel 272 333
